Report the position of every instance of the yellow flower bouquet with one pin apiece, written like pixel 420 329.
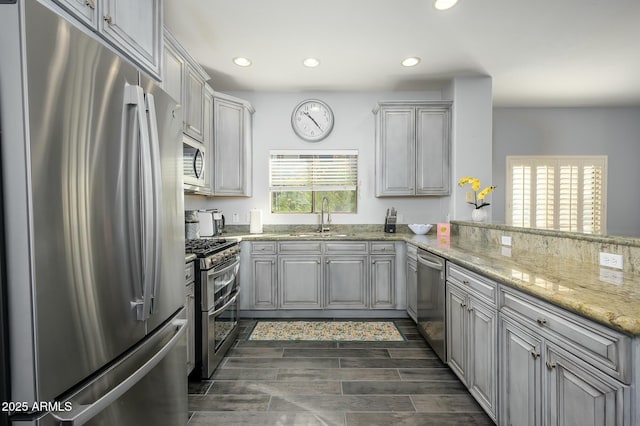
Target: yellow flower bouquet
pixel 478 197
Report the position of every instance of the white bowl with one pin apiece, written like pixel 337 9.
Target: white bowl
pixel 420 228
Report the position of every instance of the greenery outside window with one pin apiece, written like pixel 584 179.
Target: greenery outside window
pixel 299 180
pixel 566 193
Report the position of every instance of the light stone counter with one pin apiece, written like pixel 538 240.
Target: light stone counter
pixel 609 297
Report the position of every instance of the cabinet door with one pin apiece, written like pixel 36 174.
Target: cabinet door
pixel 432 151
pixel 395 151
pixel 346 282
pixel 173 74
pixel 193 98
pixel 482 356
pixel 579 395
pixel 84 10
pixel 457 331
pixel 135 27
pixel 383 282
pixel 520 390
pixel 412 289
pixel 229 140
pixel 300 281
pixel 190 306
pixel 207 138
pixel 264 278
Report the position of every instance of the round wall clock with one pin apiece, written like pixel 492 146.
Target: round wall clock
pixel 312 120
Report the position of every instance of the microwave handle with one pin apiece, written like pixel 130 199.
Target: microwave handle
pixel 196 171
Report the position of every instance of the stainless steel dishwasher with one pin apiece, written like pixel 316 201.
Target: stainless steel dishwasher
pixel 431 301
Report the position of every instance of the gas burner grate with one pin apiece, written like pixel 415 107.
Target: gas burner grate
pixel 203 247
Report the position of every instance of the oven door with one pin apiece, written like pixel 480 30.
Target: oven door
pixel 218 283
pixel 220 329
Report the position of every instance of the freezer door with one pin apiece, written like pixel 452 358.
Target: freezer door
pixel 86 214
pixel 147 387
pixel 165 131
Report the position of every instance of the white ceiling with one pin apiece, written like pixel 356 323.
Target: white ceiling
pixel 538 52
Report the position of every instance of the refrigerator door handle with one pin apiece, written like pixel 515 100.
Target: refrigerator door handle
pixel 134 95
pixel 156 193
pixel 83 413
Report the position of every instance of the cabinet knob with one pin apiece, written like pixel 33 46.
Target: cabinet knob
pixel 541 321
pixel 465 282
pixel 108 19
pixel 463 304
pixel 90 3
pixel 551 365
pixel 535 354
pixel 373 261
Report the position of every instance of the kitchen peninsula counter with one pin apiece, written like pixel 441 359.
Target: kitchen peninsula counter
pixel 609 297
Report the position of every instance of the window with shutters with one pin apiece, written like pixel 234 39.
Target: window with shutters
pixel 565 193
pixel 299 180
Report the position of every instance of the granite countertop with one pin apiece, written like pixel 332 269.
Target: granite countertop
pixel 609 297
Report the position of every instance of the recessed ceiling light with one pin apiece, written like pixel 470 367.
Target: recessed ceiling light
pixel 444 4
pixel 241 61
pixel 411 61
pixel 311 62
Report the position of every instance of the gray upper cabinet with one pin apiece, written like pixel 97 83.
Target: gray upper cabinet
pixel 232 142
pixel 412 148
pixel 133 27
pixel 185 80
pixel 136 27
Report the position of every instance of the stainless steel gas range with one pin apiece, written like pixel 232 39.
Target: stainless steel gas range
pixel 217 300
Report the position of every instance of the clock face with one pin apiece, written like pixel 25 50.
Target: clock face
pixel 312 120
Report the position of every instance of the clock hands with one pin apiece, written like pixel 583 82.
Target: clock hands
pixel 312 119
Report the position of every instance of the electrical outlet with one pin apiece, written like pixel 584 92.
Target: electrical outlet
pixel 506 240
pixel 235 218
pixel 470 197
pixel 611 260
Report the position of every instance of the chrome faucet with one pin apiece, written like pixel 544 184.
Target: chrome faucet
pixel 325 227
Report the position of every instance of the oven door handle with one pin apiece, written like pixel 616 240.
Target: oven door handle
pixel 226 305
pixel 233 265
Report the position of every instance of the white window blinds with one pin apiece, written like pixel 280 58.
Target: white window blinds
pixel 313 170
pixel 563 193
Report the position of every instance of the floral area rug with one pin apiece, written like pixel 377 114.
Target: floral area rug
pixel 376 331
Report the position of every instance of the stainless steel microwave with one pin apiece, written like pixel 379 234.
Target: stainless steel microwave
pixel 194 164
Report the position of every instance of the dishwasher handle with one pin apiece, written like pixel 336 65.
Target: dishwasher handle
pixel 434 265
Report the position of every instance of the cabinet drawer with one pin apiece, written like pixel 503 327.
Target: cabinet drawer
pixel 383 248
pixel 478 285
pixel 263 247
pixel 602 347
pixel 189 273
pixel 300 247
pixel 351 247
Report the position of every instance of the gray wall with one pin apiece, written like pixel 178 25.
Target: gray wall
pixel 614 132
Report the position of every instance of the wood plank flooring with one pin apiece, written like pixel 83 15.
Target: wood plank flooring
pixel 333 383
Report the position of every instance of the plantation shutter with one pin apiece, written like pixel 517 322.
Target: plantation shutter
pixel 313 171
pixel 563 193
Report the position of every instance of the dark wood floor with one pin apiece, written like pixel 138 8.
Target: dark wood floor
pixel 333 383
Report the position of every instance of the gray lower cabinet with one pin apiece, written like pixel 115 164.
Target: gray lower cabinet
pixel 412 282
pixel 346 281
pixel 383 282
pixel 300 282
pixel 190 306
pixel 472 335
pixel 265 282
pixel 550 370
pixel 300 274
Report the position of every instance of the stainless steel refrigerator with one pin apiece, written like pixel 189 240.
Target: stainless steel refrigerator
pixel 93 224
